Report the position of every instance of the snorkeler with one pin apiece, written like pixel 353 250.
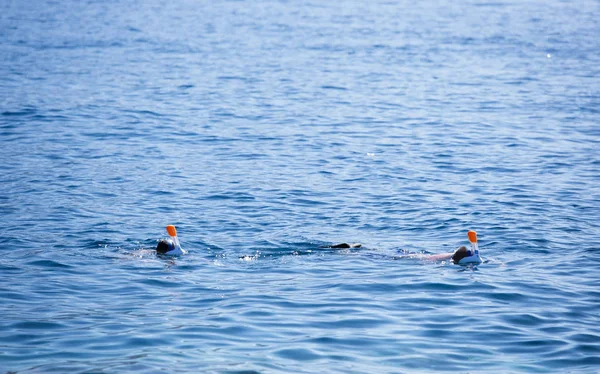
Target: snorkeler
pixel 461 255
pixel 171 246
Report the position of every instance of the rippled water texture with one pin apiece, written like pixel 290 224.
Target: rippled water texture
pixel 266 129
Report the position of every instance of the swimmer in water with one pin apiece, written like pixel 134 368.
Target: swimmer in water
pixel 461 256
pixel 171 246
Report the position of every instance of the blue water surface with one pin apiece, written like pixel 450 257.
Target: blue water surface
pixel 265 129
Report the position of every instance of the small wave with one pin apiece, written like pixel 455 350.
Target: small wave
pixel 48 264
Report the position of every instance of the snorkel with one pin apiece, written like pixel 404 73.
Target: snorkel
pixel 473 257
pixel 177 250
pixel 173 234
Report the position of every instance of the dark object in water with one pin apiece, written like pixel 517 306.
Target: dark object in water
pixel 460 253
pixel 164 246
pixel 343 245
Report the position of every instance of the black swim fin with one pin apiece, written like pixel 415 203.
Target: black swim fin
pixel 344 245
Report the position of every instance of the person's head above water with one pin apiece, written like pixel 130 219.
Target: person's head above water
pixel 460 253
pixel 465 256
pixel 170 246
pixel 164 246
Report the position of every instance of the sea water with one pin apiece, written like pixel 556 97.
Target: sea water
pixel 264 130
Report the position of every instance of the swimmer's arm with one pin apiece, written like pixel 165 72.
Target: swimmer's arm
pixel 440 257
pixel 426 257
pixel 461 251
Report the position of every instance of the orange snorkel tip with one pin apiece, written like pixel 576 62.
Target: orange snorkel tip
pixel 171 230
pixel 473 255
pixel 472 236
